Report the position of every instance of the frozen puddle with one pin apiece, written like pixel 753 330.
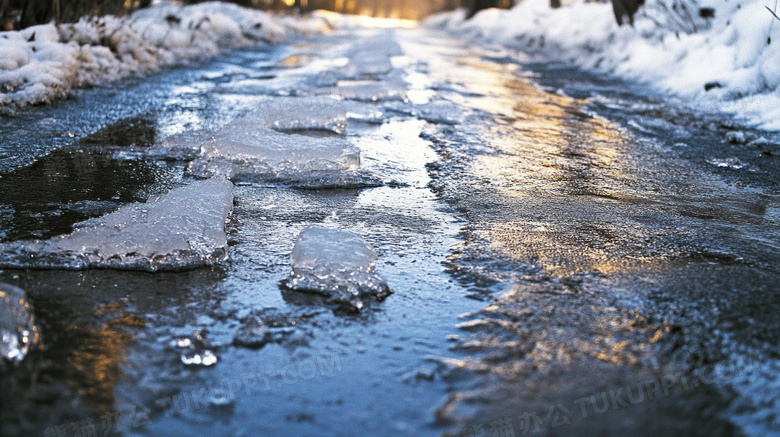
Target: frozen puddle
pixel 180 230
pixel 18 332
pixel 336 264
pixel 245 150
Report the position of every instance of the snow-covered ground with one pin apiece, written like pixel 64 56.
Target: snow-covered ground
pixel 736 54
pixel 43 63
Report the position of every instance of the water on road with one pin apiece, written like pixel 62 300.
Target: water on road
pixel 568 254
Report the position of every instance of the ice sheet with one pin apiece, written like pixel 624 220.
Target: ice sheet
pixel 245 150
pixel 180 230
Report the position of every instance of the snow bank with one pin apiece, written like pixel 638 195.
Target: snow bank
pixel 18 332
pixel 337 264
pixel 182 229
pixel 736 54
pixel 43 63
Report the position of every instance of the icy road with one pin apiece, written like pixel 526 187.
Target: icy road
pixel 484 246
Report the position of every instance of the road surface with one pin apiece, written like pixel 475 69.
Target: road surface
pixel 570 255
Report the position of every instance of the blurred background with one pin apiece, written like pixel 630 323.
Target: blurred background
pixel 16 14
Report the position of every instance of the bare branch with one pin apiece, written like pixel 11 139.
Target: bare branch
pixel 772 12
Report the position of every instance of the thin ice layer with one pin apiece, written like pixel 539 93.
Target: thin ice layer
pixel 289 114
pixel 336 264
pixel 180 230
pixel 441 112
pixel 371 91
pixel 316 112
pixel 370 58
pixel 367 65
pixel 246 150
pixel 18 331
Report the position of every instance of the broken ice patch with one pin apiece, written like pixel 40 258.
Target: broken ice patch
pixel 180 230
pixel 336 264
pixel 245 150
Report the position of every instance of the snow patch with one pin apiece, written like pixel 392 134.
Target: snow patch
pixel 43 63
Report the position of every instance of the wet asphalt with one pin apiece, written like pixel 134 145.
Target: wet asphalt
pixel 571 255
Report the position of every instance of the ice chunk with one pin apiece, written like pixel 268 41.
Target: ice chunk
pixel 182 229
pixel 18 331
pixel 181 147
pixel 195 350
pixel 337 264
pixel 245 150
pixel 253 333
